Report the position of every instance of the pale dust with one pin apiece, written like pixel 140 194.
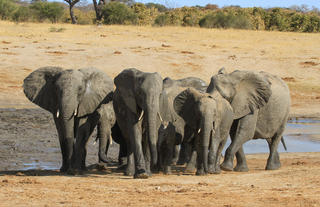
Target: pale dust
pixel 176 52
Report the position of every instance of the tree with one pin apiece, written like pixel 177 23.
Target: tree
pixel 71 4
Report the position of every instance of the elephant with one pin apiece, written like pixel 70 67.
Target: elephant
pixel 261 104
pixel 79 100
pixel 178 133
pixel 210 117
pixel 138 103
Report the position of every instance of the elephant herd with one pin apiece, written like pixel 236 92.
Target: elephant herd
pixel 162 122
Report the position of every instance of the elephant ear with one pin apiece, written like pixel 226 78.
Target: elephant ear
pixel 246 91
pixel 98 89
pixel 39 87
pixel 125 83
pixel 185 105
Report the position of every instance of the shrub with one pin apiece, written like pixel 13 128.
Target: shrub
pixel 159 7
pixel 162 20
pixel 118 13
pixel 145 16
pixel 6 9
pixel 22 14
pixel 222 20
pixel 47 10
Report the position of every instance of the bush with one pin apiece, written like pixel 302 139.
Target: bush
pixel 222 20
pixel 22 14
pixel 162 20
pixel 118 13
pixel 47 10
pixel 6 9
pixel 145 16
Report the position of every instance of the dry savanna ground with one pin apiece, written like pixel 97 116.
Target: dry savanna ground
pixel 176 52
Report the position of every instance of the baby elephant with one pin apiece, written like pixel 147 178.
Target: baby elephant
pixel 210 116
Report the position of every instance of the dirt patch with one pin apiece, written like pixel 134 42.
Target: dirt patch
pixel 308 63
pixel 56 52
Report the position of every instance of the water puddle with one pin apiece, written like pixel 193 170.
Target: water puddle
pixel 38 165
pixel 301 135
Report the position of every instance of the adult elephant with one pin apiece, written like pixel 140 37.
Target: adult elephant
pixel 79 100
pixel 210 117
pixel 178 132
pixel 261 104
pixel 137 101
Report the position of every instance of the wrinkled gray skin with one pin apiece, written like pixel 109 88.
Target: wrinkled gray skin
pixel 137 104
pixel 210 116
pixel 177 132
pixel 79 100
pixel 261 104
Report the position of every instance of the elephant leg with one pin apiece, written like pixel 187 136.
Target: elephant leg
pixel 213 156
pixel 244 131
pixel 136 138
pixel 147 156
pixel 191 165
pixel 185 153
pixel 63 145
pixel 219 151
pixel 176 150
pixel 122 157
pixel 273 162
pixel 240 156
pixel 241 161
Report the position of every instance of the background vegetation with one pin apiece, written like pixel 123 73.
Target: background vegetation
pixel 294 19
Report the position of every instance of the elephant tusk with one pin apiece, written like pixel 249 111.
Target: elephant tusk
pixel 141 115
pixel 75 112
pixel 58 114
pixel 160 117
pixel 110 138
pixel 199 130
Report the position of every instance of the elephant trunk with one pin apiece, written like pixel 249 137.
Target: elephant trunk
pixel 205 136
pixel 152 132
pixel 68 142
pixel 104 142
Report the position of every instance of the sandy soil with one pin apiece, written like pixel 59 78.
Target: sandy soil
pixel 28 136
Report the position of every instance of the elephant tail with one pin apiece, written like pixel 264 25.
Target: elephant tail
pixel 283 143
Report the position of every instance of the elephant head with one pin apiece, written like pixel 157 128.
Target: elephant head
pixel 246 91
pixel 67 94
pixel 141 93
pixel 200 111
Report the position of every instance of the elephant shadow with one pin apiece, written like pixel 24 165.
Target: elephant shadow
pixel 93 170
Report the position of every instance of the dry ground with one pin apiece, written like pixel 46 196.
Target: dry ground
pixel 295 184
pixel 174 52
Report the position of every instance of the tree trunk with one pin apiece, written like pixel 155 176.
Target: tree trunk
pixel 73 18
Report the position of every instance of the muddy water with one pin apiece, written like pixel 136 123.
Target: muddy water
pixel 28 140
pixel 301 135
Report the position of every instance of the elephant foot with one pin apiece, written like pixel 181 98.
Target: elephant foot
pixel 273 166
pixel 190 168
pixel 63 169
pixel 241 168
pixel 167 170
pixel 122 167
pixel 214 171
pixel 72 171
pixel 201 172
pixel 226 166
pixel 141 174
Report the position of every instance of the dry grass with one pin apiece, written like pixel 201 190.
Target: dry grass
pixel 171 51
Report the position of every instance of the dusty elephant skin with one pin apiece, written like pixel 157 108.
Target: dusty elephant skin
pixel 210 116
pixel 136 102
pixel 177 133
pixel 79 100
pixel 261 104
